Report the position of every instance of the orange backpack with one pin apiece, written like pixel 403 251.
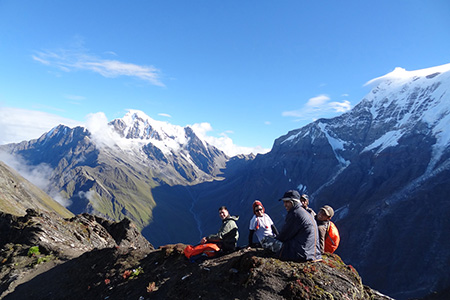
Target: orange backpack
pixel 209 249
pixel 332 238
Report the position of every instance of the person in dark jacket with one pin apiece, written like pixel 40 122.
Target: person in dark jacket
pixel 227 236
pixel 299 234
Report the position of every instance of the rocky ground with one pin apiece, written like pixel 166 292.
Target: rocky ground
pixel 110 260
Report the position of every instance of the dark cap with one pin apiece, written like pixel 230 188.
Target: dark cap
pixel 291 195
pixel 328 210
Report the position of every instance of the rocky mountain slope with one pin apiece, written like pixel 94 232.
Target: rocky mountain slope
pixel 111 171
pixel 46 257
pixel 17 195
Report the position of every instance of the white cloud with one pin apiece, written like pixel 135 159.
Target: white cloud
pixel 101 132
pixel 341 107
pixel 317 107
pixel 317 101
pixel 72 60
pixel 74 97
pixel 17 125
pixel 164 115
pixel 38 175
pixel 224 143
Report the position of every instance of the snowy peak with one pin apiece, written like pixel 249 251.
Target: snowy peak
pixel 137 125
pixel 405 100
pixel 136 128
pixel 403 110
pixel 403 96
pixel 401 101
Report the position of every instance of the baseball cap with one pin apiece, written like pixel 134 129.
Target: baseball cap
pixel 291 195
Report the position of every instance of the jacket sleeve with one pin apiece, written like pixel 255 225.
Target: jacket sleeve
pixel 275 230
pixel 322 233
pixel 250 237
pixel 226 228
pixel 289 229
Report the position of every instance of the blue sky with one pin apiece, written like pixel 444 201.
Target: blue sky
pixel 246 72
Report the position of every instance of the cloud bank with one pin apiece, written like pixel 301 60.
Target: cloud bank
pixel 224 143
pixel 17 125
pixel 38 175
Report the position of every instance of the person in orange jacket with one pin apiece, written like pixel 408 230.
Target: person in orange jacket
pixel 323 218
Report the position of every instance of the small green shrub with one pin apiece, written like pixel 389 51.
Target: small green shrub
pixel 43 259
pixel 33 251
pixel 136 272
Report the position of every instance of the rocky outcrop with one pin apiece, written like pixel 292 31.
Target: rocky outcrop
pixel 44 256
pixel 167 274
pixel 39 240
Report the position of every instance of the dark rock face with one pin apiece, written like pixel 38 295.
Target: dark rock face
pixel 37 241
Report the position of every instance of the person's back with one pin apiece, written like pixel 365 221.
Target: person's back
pixel 299 233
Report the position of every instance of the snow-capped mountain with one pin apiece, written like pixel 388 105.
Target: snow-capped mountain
pixel 384 167
pixel 110 169
pixel 137 126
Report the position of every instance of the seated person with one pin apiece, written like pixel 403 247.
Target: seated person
pixel 299 234
pixel 304 199
pixel 323 218
pixel 261 224
pixel 228 234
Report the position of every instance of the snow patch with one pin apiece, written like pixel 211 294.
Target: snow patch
pixel 341 212
pixel 335 143
pixel 389 139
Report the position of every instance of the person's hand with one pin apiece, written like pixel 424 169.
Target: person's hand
pixel 203 240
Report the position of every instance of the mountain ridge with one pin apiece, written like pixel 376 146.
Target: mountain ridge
pixel 384 166
pixel 112 176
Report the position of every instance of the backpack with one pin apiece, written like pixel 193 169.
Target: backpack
pixel 332 238
pixel 209 249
